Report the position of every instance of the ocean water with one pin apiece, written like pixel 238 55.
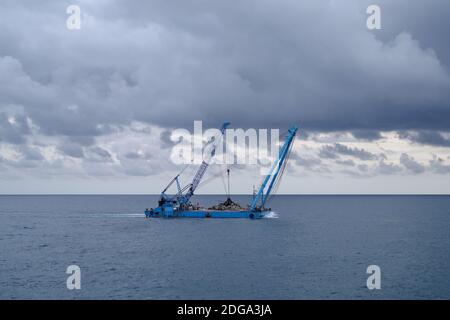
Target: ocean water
pixel 312 247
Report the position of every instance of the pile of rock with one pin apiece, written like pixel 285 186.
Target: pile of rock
pixel 227 205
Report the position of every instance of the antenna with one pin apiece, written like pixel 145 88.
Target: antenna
pixel 228 173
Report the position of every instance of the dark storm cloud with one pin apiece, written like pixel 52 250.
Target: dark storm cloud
pixel 433 138
pixel 369 135
pixel 313 63
pixel 334 151
pixel 255 63
pixel 427 21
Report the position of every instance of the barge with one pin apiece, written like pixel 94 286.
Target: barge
pixel 180 206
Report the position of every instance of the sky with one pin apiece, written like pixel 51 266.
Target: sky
pixel 92 110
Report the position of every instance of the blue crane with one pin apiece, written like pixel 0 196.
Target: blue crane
pixel 181 199
pixel 275 173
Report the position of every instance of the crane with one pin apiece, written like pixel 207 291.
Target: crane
pixel 275 172
pixel 181 199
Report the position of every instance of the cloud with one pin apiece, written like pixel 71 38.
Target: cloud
pixel 71 149
pixel 438 165
pixel 328 152
pixel 412 165
pixel 348 162
pixel 133 155
pixel 433 138
pixel 32 154
pixel 307 162
pixel 13 128
pixel 425 22
pixel 98 154
pixel 165 139
pixel 26 157
pixel 363 167
pixel 387 168
pixel 369 135
pixel 334 151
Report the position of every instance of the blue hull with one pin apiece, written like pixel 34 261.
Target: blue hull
pixel 209 214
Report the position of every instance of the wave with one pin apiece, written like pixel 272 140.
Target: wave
pixel 271 215
pixel 119 215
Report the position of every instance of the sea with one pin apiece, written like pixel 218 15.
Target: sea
pixel 309 247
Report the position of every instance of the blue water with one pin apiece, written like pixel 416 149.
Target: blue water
pixel 315 247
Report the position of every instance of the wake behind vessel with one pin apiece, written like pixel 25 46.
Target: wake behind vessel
pixel 179 205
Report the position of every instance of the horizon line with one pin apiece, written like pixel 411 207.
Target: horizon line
pixel 220 194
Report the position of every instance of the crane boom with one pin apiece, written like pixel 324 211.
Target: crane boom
pixel 206 160
pixel 274 173
pixel 205 163
pixel 209 152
